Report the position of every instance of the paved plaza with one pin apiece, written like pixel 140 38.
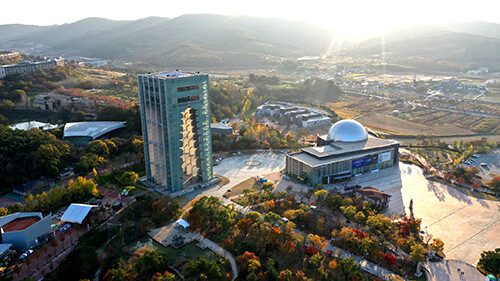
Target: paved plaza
pixel 241 167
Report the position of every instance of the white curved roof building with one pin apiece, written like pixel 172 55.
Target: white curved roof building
pixel 346 150
pixel 347 131
pixel 85 132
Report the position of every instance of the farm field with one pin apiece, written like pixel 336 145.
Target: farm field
pixel 389 124
pixel 348 107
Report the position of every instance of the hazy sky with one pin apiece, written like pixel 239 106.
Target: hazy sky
pixel 351 17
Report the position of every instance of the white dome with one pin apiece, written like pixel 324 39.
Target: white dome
pixel 347 131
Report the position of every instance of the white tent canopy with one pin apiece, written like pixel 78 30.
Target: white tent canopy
pixel 76 213
pixel 183 223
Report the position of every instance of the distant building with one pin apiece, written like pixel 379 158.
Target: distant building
pixel 26 126
pixel 175 114
pixel 8 55
pixel 374 196
pixel 24 230
pixel 84 132
pixel 315 121
pixel 28 67
pixel 346 151
pixel 222 129
pixel 304 117
pixel 27 188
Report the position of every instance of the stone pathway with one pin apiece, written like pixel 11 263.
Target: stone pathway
pixel 366 265
pixel 451 270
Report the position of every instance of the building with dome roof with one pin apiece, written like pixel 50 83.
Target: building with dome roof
pixel 347 150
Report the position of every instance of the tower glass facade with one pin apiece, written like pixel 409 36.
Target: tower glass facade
pixel 175 115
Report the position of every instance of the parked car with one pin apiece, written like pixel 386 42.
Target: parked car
pixel 26 254
pixel 66 227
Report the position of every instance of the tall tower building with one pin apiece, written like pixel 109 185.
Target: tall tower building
pixel 175 115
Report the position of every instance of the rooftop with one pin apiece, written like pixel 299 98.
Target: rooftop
pixel 76 213
pixel 91 129
pixel 172 75
pixel 347 131
pixel 36 184
pixel 220 126
pixel 373 193
pixel 20 223
pixel 341 148
pixel 33 125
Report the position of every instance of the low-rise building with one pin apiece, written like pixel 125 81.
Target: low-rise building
pixel 316 121
pixel 27 188
pixel 374 196
pixel 28 67
pixel 24 230
pixel 346 151
pixel 26 126
pixel 222 129
pixel 84 132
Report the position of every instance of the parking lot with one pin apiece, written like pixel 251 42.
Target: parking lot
pixel 492 159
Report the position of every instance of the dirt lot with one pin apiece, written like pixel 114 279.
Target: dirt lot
pixel 250 183
pixel 393 125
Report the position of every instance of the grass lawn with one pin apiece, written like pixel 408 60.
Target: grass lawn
pixel 237 190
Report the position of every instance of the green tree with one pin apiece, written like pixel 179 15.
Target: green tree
pixel 272 218
pixel 129 178
pixel 203 269
pixel 3 120
pixel 88 162
pixel 350 268
pixel 98 147
pixel 150 263
pixel 490 261
pixel 49 158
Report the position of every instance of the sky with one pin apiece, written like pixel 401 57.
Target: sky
pixel 352 18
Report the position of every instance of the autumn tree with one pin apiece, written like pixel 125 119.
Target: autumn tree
pixel 318 241
pixel 437 245
pixel 249 262
pixel 380 224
